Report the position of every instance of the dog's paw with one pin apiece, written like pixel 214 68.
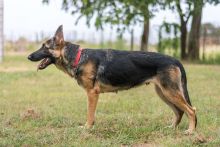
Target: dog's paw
pixel 86 127
pixel 188 132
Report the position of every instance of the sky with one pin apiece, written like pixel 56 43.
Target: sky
pixel 28 17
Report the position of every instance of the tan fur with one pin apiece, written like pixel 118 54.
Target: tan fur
pixel 107 88
pixel 178 113
pixel 93 96
pixel 88 74
pixel 56 53
pixel 175 73
pixel 59 53
pixel 176 97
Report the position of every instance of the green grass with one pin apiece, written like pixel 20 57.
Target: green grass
pixel 132 117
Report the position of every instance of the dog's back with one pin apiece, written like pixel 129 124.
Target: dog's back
pixel 126 68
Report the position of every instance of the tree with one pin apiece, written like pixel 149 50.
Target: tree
pixel 187 9
pixel 194 37
pixel 123 13
pixel 184 18
pixel 184 14
pixel 145 34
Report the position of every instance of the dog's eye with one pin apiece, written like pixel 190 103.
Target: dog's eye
pixel 44 46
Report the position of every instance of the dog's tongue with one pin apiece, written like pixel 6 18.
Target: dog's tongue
pixel 43 64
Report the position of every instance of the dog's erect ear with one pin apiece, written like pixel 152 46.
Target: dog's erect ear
pixel 59 39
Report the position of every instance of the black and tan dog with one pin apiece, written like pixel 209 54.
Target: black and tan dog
pixel 99 71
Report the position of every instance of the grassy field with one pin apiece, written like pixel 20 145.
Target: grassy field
pixel 46 108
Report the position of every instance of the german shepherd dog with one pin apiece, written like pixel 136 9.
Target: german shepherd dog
pixel 99 71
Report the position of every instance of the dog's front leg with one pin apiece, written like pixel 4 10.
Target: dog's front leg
pixel 93 96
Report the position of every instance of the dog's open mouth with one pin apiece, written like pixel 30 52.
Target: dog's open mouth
pixel 44 63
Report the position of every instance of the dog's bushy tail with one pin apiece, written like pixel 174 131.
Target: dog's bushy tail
pixel 184 85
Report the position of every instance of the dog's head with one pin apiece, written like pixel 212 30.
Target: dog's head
pixel 50 50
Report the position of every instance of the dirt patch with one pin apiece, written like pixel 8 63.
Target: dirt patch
pixel 200 139
pixel 8 122
pixel 30 113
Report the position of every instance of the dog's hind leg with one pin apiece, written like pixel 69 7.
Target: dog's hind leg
pixel 169 81
pixel 178 112
pixel 178 100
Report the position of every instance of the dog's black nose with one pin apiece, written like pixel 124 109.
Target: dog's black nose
pixel 29 57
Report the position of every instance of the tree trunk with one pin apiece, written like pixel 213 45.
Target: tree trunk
pixel 183 39
pixel 194 36
pixel 145 35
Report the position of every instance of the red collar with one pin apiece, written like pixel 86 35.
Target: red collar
pixel 78 55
